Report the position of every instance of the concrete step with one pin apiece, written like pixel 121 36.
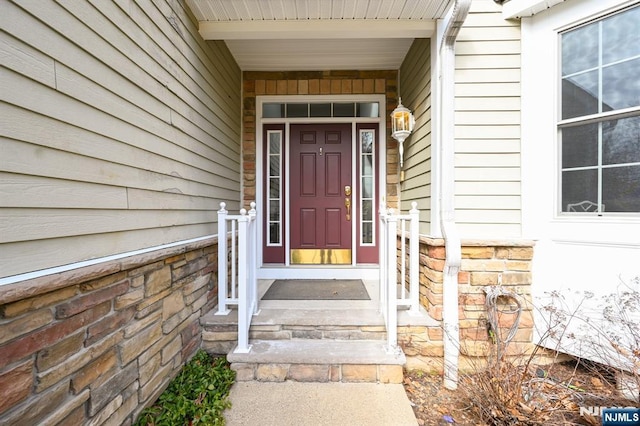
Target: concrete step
pixel 315 324
pixel 306 360
pixel 220 331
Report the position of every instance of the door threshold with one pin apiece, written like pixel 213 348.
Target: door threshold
pixel 324 272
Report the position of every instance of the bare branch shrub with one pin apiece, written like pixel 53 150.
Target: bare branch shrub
pixel 607 333
pixel 511 387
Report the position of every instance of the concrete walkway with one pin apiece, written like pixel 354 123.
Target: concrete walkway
pixel 319 404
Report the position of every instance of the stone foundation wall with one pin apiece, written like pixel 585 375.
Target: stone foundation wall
pixel 96 345
pixel 484 263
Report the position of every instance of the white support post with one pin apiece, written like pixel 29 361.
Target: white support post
pixel 392 283
pixel 243 309
pixel 414 259
pixel 222 261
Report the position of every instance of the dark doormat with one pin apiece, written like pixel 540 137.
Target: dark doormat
pixel 317 290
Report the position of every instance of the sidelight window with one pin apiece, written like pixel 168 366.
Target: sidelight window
pixel 367 188
pixel 274 189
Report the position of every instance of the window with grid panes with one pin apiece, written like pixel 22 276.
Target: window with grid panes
pixel 600 115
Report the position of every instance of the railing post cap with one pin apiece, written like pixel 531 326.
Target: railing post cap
pixel 222 206
pixel 243 212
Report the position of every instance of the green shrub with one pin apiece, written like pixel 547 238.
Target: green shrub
pixel 197 396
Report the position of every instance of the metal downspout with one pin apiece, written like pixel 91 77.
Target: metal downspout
pixel 453 256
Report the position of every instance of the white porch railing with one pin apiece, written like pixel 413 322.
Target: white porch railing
pixel 393 268
pixel 238 286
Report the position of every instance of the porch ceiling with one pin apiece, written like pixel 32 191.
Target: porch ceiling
pixel 283 35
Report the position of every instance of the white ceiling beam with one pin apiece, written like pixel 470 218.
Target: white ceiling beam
pixel 315 29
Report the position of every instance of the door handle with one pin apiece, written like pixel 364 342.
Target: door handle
pixel 347 200
pixel 347 203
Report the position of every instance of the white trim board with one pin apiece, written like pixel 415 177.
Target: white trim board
pixel 64 268
pixel 314 29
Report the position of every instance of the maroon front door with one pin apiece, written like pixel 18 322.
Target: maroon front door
pixel 320 194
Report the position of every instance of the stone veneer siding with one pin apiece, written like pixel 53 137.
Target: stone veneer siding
pixel 257 83
pixel 484 263
pixel 96 345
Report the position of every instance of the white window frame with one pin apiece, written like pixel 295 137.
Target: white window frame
pixel 540 102
pixel 596 118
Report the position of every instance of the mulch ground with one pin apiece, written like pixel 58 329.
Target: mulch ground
pixel 435 405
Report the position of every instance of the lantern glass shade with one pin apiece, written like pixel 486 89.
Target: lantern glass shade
pixel 402 122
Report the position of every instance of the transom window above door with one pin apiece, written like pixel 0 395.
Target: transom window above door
pixel 320 109
pixel 600 115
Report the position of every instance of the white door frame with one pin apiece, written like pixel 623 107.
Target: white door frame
pixel 287 270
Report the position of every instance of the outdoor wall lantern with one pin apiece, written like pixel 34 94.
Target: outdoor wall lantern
pixel 402 122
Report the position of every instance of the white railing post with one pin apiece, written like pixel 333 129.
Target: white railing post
pixel 243 288
pixel 253 258
pixel 234 260
pixel 243 252
pixel 222 261
pixel 384 253
pixel 392 283
pixel 414 259
pixel 403 258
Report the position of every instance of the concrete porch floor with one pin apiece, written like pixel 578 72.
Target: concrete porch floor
pixel 322 312
pixel 307 315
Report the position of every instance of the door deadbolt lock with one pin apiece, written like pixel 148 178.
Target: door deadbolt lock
pixel 347 190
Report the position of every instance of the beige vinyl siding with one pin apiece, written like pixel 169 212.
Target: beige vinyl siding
pixel 119 130
pixel 487 132
pixel 415 89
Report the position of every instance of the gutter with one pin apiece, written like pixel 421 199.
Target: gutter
pixel 446 43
